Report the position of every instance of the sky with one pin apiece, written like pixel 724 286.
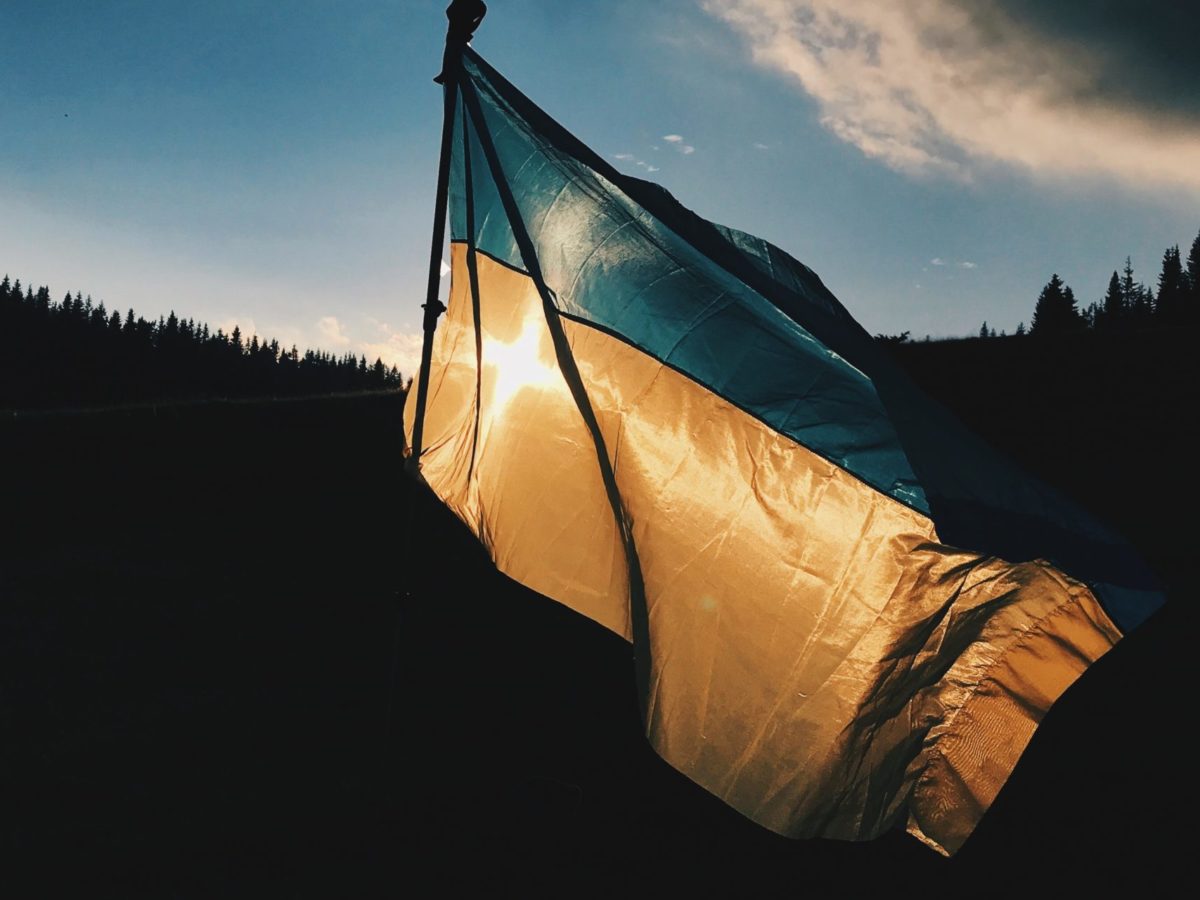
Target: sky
pixel 272 164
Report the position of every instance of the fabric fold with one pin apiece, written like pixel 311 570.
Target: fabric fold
pixel 675 430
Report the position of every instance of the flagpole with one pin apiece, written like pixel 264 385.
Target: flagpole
pixel 464 17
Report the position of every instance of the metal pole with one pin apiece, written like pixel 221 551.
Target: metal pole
pixel 464 17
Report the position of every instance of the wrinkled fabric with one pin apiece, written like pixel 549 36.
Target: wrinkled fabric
pixel 818 659
pixel 847 613
pixel 610 262
pixel 755 326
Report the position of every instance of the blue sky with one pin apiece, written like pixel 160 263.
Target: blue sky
pixel 272 164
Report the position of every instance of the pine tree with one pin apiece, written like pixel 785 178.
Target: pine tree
pixel 1055 312
pixel 1138 304
pixel 983 329
pixel 1113 311
pixel 1172 288
pixel 1020 332
pixel 1071 317
pixel 1193 265
pixel 1192 305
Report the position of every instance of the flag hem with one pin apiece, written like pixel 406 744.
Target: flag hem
pixel 947 803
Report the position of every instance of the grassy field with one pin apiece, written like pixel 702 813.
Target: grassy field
pixel 221 675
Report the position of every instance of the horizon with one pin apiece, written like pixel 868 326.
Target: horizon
pixel 239 165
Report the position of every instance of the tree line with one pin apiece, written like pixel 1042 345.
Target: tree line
pixel 75 352
pixel 1127 305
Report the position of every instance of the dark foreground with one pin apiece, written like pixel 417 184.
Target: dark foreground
pixel 198 629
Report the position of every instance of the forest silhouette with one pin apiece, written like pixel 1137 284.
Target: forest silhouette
pixel 1128 305
pixel 75 353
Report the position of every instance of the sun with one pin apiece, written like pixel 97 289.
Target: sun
pixel 527 362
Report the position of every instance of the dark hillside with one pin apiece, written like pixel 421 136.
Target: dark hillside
pixel 1109 419
pixel 198 610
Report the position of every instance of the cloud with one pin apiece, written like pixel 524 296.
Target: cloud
pixel 401 349
pixel 676 141
pixel 937 261
pixel 640 163
pixel 967 264
pixel 759 146
pixel 396 348
pixel 943 86
pixel 331 331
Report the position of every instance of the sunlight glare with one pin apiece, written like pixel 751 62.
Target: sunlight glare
pixel 526 362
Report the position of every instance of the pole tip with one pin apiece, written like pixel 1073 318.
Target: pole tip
pixel 464 16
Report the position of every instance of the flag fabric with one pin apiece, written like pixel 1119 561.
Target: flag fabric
pixel 847 612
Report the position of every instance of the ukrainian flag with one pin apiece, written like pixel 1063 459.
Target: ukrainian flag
pixel 847 612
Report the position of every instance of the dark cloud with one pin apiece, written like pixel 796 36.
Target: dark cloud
pixel 1139 53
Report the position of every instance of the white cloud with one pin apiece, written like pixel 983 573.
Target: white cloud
pixel 401 349
pixel 967 264
pixel 937 261
pixel 622 156
pixel 938 86
pixel 760 146
pixel 651 168
pixel 676 141
pixel 331 331
pixel 396 348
